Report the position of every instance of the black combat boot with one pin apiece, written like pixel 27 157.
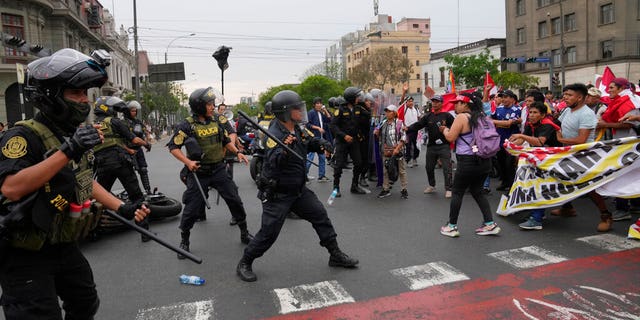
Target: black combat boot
pixel 145 225
pixel 245 236
pixel 244 270
pixel 339 258
pixel 184 244
pixel 144 178
pixel 363 181
pixel 355 188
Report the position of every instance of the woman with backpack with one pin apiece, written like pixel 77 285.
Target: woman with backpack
pixel 472 169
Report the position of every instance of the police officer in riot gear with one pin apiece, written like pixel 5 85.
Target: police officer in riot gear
pixel 113 158
pixel 366 145
pixel 137 127
pixel 205 140
pixel 282 187
pixel 45 170
pixel 346 127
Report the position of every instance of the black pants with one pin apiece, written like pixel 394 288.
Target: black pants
pixel 306 205
pixel 108 172
pixel 507 167
pixel 343 150
pixel 217 177
pixel 140 159
pixel 442 152
pixel 470 174
pixel 412 151
pixel 364 157
pixel 32 281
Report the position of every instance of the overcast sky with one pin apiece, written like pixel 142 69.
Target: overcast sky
pixel 275 41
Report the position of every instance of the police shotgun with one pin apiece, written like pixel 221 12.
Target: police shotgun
pixel 153 236
pixel 268 134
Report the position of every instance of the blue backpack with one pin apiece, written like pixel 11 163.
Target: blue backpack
pixel 486 140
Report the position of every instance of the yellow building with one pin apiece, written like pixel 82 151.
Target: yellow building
pixel 410 36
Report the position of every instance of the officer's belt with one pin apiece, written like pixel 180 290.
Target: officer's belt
pixel 208 167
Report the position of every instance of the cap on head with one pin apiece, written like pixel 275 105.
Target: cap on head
pixel 437 98
pixel 509 93
pixel 594 92
pixel 391 107
pixel 461 98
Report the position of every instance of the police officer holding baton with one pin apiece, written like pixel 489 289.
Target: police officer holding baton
pixel 282 186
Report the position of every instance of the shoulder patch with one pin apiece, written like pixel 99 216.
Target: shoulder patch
pixel 271 144
pixel 15 148
pixel 179 138
pixel 336 113
pixel 222 119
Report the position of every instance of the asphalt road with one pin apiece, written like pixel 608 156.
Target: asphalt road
pixel 389 236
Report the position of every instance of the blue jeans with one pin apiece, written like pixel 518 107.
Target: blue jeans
pixel 321 163
pixel 537 214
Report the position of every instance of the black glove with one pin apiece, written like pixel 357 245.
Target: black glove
pixel 327 146
pixel 128 210
pixel 82 140
pixel 148 146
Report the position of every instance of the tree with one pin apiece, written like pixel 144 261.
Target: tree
pixel 267 95
pixel 162 103
pixel 515 80
pixel 470 70
pixel 246 108
pixel 329 69
pixel 319 86
pixel 381 67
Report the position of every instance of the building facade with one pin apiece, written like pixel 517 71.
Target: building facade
pixel 51 25
pixel 410 36
pixel 580 36
pixel 436 71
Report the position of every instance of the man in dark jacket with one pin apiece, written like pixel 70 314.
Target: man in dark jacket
pixel 319 119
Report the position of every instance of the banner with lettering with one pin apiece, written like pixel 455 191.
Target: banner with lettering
pixel 550 176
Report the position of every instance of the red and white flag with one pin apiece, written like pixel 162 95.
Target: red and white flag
pixel 488 82
pixel 602 81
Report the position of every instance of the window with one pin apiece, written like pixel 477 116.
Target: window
pixel 418 90
pixel 571 55
pixel 544 3
pixel 426 26
pixel 417 49
pixel 606 14
pixel 417 63
pixel 521 67
pixel 349 58
pixel 367 51
pixel 405 49
pixel 418 76
pixel 393 90
pixel 426 74
pixel 543 54
pixel 607 49
pixel 441 84
pixel 542 29
pixel 570 22
pixel 416 26
pixel 13 25
pixel 521 36
pixel 520 8
pixel 556 26
pixel 557 57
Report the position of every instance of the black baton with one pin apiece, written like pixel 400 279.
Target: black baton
pixel 204 196
pixel 154 237
pixel 244 115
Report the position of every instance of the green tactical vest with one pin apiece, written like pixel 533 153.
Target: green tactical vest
pixel 110 137
pixel 64 228
pixel 209 137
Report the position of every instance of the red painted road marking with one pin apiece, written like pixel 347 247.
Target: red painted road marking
pixel 553 285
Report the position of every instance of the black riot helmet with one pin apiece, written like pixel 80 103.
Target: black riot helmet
pixel 331 102
pixel 351 94
pixel 199 99
pixel 340 101
pixel 106 106
pixel 285 101
pixel 48 77
pixel 268 108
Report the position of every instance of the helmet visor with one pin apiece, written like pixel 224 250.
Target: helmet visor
pixel 300 107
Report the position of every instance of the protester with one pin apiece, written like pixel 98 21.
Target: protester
pixel 410 115
pixel 471 170
pixel 319 119
pixel 507 121
pixel 392 141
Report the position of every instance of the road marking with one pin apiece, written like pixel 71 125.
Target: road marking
pixel 611 242
pixel 427 275
pixel 311 296
pixel 199 310
pixel 527 257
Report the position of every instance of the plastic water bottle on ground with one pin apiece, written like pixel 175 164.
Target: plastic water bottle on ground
pixel 193 280
pixel 332 197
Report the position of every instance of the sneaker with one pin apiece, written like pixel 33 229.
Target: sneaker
pixel 531 224
pixel 404 194
pixel 448 194
pixel 486 230
pixel 323 179
pixel 384 194
pixel 620 215
pixel 450 231
pixel 414 163
pixel 429 189
pixel 310 177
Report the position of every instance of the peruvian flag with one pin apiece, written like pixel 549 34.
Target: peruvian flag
pixel 488 83
pixel 428 92
pixel 602 81
pixel 447 99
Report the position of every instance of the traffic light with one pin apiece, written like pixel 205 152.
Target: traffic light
pixel 510 60
pixel 221 55
pixel 555 81
pixel 14 41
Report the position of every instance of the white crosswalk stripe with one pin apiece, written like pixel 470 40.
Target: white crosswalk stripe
pixel 427 275
pixel 199 310
pixel 610 242
pixel 527 257
pixel 311 296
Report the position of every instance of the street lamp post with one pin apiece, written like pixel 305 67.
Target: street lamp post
pixel 171 42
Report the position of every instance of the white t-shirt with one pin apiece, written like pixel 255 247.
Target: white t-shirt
pixel 410 116
pixel 573 121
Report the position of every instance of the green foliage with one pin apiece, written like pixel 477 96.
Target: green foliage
pixel 165 99
pixel 515 80
pixel 267 95
pixel 318 86
pixel 329 69
pixel 470 70
pixel 381 67
pixel 246 108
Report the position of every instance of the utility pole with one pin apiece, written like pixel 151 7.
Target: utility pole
pixel 550 57
pixel 135 48
pixel 562 43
